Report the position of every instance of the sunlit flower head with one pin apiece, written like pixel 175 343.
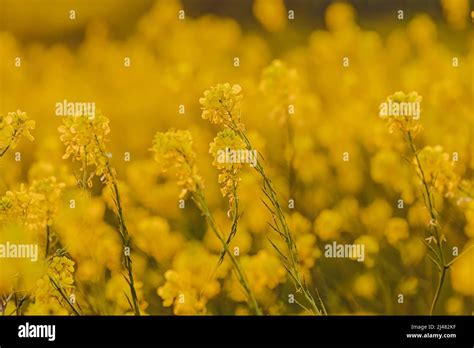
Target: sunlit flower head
pixel 438 170
pixel 174 149
pixel 402 112
pixel 221 105
pixel 229 153
pixel 57 283
pixel 35 206
pixel 85 140
pixel 12 127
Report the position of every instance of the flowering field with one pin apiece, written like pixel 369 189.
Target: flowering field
pixel 236 158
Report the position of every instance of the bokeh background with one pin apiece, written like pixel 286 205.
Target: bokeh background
pixel 336 111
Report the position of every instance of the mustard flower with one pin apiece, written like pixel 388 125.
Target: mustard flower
pixel 456 12
pixel 402 112
pixel 33 206
pixel 222 105
pixel 279 82
pixel 229 154
pixel 55 287
pixel 438 170
pixel 85 139
pixel 174 149
pixel 271 14
pixel 186 289
pixel 12 127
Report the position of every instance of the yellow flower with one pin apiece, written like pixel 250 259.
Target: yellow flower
pixel 365 285
pixel 264 273
pixel 85 139
pixel 154 237
pixel 462 273
pixel 24 206
pixel 398 120
pixel 386 167
pixel 408 286
pixel 469 213
pixel 305 240
pixel 12 127
pixel 51 307
pixel 271 14
pixel 18 274
pixel 34 206
pixel 376 215
pixel 174 149
pixel 115 291
pixel 454 305
pixel 339 15
pixel 178 292
pixel 221 105
pixel 396 230
pixel 47 297
pixel 422 31
pixel 412 251
pixel 192 280
pixel 456 12
pixel 328 224
pixel 438 170
pixel 226 149
pixel 280 85
pixel 371 247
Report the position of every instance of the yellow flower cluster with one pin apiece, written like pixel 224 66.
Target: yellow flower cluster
pixel 280 85
pixel 404 123
pixel 84 138
pixel 265 273
pixel 191 282
pixel 222 105
pixel 438 170
pixel 174 149
pixel 225 149
pixel 12 127
pixel 33 206
pixel 18 274
pixel 312 92
pixel 55 289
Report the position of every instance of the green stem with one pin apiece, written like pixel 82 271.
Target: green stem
pixel 125 244
pixel 434 224
pixel 4 150
pixel 282 226
pixel 47 241
pixel 438 289
pixel 123 231
pixel 201 202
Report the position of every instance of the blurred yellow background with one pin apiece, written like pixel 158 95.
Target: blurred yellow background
pixel 145 64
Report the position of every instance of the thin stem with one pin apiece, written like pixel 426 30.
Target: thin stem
pixel 438 289
pixel 123 231
pixel 47 241
pixel 126 244
pixel 434 227
pixel 460 255
pixel 4 150
pixel 63 295
pixel 201 202
pixel 282 226
pixel 16 305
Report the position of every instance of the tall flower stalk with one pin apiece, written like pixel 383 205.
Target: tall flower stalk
pixel 436 174
pixel 221 105
pixel 173 149
pixel 85 142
